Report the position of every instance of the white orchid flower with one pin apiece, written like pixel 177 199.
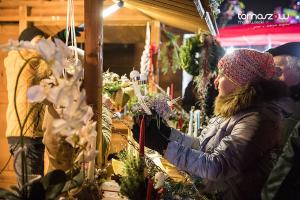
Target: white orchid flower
pixel 66 128
pixel 86 156
pixel 36 93
pixel 65 51
pixel 46 49
pixel 16 45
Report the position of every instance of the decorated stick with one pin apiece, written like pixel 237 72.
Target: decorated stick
pixel 142 137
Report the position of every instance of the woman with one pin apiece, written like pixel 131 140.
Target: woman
pixel 234 153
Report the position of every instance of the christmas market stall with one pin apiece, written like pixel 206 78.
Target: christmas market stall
pixel 111 65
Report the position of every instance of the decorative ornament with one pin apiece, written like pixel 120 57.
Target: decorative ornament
pixel 146 58
pixel 169 54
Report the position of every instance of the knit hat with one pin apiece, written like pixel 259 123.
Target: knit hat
pixel 29 33
pixel 246 65
pixel 289 49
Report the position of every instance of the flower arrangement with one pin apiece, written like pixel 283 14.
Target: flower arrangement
pixel 155 102
pixel 117 88
pixel 74 123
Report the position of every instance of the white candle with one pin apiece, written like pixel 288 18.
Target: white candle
pixel 196 122
pixel 168 91
pixel 190 130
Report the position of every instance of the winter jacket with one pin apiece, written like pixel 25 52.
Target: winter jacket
pixel 235 152
pixel 289 123
pixel 34 71
pixel 284 180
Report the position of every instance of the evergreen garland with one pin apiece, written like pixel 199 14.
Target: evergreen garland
pixel 169 54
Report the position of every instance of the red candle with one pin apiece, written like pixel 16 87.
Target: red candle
pixel 142 136
pixel 149 189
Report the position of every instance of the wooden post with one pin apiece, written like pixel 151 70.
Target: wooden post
pixel 155 40
pixel 23 23
pixel 93 64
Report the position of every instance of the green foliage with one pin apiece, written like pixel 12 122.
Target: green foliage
pixel 106 129
pixel 111 88
pixel 189 54
pixel 169 54
pixel 48 187
pixel 133 183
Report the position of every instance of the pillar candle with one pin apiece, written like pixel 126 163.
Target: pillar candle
pixel 196 122
pixel 190 130
pixel 172 91
pixel 168 91
pixel 149 189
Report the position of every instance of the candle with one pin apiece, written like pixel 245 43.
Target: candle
pixel 172 91
pixel 168 91
pixel 149 189
pixel 190 130
pixel 142 137
pixel 196 122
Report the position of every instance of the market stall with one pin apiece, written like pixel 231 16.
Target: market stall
pixel 186 16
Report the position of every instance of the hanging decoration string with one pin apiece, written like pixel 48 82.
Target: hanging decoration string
pixel 70 28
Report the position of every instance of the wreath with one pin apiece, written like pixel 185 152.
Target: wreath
pixel 189 54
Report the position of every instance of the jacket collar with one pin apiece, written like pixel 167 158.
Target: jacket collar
pixel 249 96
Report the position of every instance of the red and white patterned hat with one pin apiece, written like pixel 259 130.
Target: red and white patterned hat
pixel 246 65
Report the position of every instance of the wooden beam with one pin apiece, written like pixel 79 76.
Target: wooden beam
pixel 93 66
pixel 52 19
pixel 23 23
pixel 179 21
pixel 172 7
pixel 180 4
pixel 148 5
pixel 155 40
pixel 45 4
pixel 9 18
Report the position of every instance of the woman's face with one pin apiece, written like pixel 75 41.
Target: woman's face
pixel 224 85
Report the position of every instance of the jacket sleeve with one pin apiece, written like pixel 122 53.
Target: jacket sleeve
pixel 184 140
pixel 229 157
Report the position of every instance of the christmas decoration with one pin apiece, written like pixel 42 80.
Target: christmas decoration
pixel 169 54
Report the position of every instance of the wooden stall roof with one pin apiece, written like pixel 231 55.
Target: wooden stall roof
pixel 129 22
